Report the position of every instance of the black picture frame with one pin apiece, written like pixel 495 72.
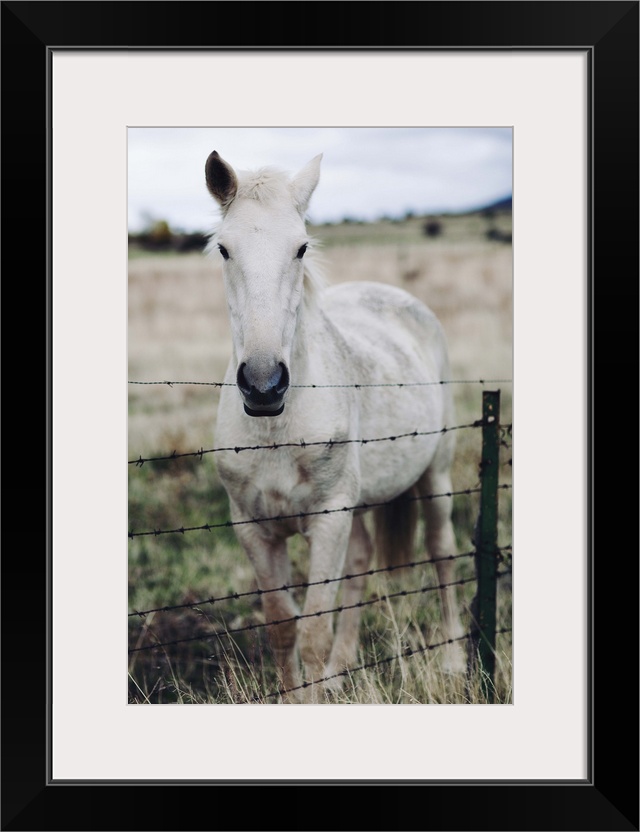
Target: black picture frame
pixel 608 798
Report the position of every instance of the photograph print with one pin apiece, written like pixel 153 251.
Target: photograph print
pixel 320 327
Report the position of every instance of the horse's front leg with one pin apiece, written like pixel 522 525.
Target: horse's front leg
pixel 270 561
pixel 328 537
pixel 345 646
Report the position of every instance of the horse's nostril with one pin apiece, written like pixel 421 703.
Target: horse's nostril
pixel 283 382
pixel 241 380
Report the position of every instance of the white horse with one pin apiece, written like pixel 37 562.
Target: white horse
pixel 292 341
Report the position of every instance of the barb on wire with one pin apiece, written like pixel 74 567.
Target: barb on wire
pixel 505 436
pixel 328 443
pixel 300 617
pixel 281 517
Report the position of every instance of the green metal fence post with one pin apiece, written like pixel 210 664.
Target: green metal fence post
pixel 487 541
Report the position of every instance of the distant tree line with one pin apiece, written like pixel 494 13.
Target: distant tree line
pixel 160 237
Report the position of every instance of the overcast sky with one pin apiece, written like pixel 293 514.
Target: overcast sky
pixel 366 172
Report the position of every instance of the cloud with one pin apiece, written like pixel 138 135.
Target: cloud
pixel 366 172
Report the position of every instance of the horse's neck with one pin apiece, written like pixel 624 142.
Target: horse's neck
pixel 312 339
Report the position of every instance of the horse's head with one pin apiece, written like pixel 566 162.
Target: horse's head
pixel 262 239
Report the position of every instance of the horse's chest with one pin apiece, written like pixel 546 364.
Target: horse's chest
pixel 280 481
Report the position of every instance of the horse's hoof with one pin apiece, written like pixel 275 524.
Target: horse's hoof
pixel 323 691
pixel 454 662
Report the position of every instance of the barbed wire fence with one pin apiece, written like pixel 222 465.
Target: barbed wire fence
pixel 491 561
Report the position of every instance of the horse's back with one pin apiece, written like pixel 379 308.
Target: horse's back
pixel 390 328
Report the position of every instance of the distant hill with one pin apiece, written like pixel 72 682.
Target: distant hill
pixel 505 204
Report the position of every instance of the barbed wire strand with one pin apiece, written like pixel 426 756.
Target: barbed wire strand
pixel 280 517
pixel 234 596
pixel 224 633
pixel 408 653
pixel 352 386
pixel 329 443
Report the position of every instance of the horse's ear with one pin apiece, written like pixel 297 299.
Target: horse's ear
pixel 222 181
pixel 304 182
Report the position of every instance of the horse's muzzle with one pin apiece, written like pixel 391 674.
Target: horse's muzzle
pixel 263 392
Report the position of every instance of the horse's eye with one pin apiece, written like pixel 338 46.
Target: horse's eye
pixel 223 252
pixel 301 251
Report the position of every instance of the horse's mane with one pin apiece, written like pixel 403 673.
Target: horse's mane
pixel 314 278
pixel 265 185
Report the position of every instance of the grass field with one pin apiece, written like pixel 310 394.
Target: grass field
pixel 178 331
